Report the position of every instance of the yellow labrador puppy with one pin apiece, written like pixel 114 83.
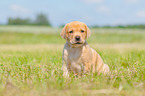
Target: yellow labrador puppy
pixel 78 57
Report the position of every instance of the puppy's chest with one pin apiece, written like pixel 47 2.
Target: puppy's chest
pixel 75 56
pixel 75 59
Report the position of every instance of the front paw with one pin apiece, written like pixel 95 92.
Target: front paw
pixel 65 74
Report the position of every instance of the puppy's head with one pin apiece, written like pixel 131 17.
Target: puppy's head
pixel 75 33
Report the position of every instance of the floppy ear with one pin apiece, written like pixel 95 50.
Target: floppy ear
pixel 88 32
pixel 63 32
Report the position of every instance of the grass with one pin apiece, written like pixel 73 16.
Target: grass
pixel 31 38
pixel 30 64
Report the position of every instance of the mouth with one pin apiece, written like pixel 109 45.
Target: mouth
pixel 78 43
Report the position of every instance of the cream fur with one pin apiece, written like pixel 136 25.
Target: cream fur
pixel 80 58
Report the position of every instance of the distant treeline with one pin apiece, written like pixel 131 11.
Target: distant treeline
pixel 41 19
pixel 141 26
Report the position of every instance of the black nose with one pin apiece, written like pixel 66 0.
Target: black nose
pixel 77 38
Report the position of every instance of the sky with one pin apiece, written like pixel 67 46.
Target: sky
pixel 91 12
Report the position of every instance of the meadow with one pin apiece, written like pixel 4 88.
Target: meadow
pixel 31 61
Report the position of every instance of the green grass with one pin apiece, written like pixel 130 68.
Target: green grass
pixel 31 38
pixel 30 65
pixel 39 71
pixel 45 35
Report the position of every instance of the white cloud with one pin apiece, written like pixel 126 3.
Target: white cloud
pixel 141 14
pixel 18 8
pixel 93 1
pixel 103 9
pixel 132 1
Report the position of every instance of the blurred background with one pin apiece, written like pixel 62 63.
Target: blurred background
pixel 93 12
pixel 120 21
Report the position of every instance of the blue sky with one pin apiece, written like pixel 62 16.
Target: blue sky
pixel 92 12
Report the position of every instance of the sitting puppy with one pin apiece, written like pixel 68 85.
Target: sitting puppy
pixel 78 57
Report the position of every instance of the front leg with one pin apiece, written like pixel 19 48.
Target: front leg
pixel 65 70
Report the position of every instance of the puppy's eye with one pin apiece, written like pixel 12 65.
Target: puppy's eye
pixel 70 31
pixel 82 31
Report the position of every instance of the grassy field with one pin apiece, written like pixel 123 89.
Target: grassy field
pixel 31 60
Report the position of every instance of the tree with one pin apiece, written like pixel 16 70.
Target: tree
pixel 18 21
pixel 41 19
